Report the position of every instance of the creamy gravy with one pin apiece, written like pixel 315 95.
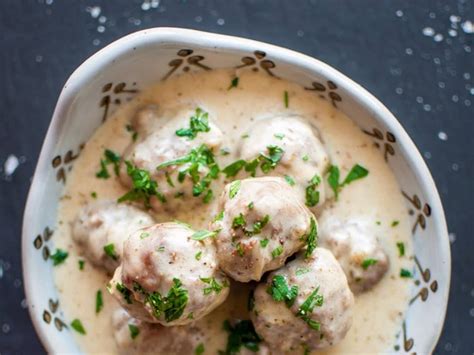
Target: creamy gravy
pixel 377 313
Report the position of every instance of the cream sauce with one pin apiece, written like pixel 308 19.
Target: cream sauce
pixel 377 313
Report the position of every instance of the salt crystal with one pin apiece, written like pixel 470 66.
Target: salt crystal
pixel 146 5
pixel 17 283
pixel 467 102
pixel 432 15
pixel 428 31
pixel 438 37
pixel 24 304
pixel 5 328
pixel 39 58
pixel 300 33
pixel 96 42
pixel 442 135
pixel 427 155
pixel 100 29
pixel 467 49
pixel 399 13
pixel 427 107
pixel 471 312
pixel 10 165
pixel 155 3
pixel 419 99
pixel 467 27
pixel 94 11
pixel 49 2
pixel 220 21
pixel 452 33
pixel 455 98
pixel 442 85
pixel 409 51
pixel 471 91
pixel 399 91
pixel 454 19
pixel 466 76
pixel 198 19
pixel 455 167
pixel 102 19
pixel 452 237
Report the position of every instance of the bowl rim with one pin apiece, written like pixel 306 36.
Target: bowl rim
pixel 213 41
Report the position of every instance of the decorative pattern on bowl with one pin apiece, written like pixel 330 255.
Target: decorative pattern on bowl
pixel 115 74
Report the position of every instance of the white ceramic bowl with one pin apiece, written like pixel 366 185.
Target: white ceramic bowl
pixel 117 72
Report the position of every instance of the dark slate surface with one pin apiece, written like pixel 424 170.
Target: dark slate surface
pixel 427 81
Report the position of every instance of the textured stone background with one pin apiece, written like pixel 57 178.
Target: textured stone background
pixel 415 56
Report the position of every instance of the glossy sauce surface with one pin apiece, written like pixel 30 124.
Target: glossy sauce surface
pixel 377 313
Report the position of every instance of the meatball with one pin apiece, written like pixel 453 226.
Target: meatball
pixel 304 157
pixel 261 223
pixel 159 143
pixel 355 245
pixel 168 277
pixel 101 228
pixel 133 336
pixel 307 303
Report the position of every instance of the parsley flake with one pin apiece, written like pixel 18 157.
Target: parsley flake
pixel 395 223
pixel 405 273
pixel 99 302
pixel 277 251
pixel 312 193
pixel 241 334
pixel 203 234
pixel 264 242
pixel 126 293
pixel 199 122
pixel 76 324
pixel 234 188
pixel 59 257
pixel 198 255
pixel 134 330
pixel 144 187
pixel 286 99
pixel 200 348
pixel 81 264
pixel 305 310
pixel 311 238
pixel 213 285
pixel 401 248
pixel 109 250
pixel 110 157
pixel 172 305
pixel 290 180
pixel 357 172
pixel 368 262
pixel 234 83
pixel 281 291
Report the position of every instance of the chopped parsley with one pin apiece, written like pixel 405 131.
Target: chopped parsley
pixel 279 135
pixel 199 122
pixel 197 160
pixel 281 291
pixel 234 188
pixel 405 273
pixel 264 242
pixel 160 249
pixel 305 310
pixel 240 249
pixel 144 187
pixel 94 194
pixel 81 264
pixel 219 217
pixel 357 172
pixel 59 257
pixel 277 251
pixel 244 136
pixel 213 285
pixel 311 238
pixel 286 99
pixel 172 305
pixel 109 250
pixel 99 302
pixel 368 262
pixel 239 221
pixel 301 271
pixel 144 235
pixel 241 334
pixel 234 83
pixel 134 133
pixel 134 330
pixel 110 157
pixel 267 161
pixel 200 348
pixel 203 234
pixel 198 255
pixel 401 248
pixel 225 151
pixel 312 193
pixel 395 223
pixel 126 293
pixel 290 180
pixel 76 324
pixel 251 205
pixel 305 157
pixel 208 196
pixel 168 179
